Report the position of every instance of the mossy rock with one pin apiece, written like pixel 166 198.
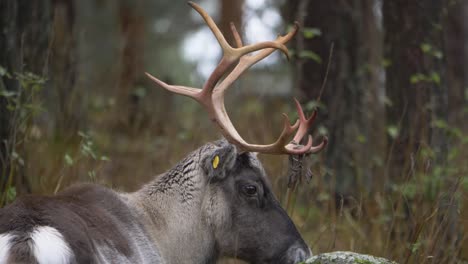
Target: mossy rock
pixel 344 257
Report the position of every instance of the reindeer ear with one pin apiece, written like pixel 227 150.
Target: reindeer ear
pixel 221 159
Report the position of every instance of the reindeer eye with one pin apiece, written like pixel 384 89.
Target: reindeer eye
pixel 250 190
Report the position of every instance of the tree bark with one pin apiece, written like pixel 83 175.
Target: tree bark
pixel 416 86
pixel 414 80
pixel 24 40
pixel 132 30
pixel 455 40
pixel 353 110
pixel 373 109
pixel 68 99
pixel 231 11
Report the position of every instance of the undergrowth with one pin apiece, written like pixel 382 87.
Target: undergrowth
pixel 420 219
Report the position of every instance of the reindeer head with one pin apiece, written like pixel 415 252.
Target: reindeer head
pixel 248 221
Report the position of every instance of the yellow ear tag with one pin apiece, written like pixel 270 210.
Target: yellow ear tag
pixel 215 162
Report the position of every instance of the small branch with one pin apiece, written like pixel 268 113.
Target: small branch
pixel 330 56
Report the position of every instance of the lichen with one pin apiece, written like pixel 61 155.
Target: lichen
pixel 344 257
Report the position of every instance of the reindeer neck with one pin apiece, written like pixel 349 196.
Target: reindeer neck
pixel 171 206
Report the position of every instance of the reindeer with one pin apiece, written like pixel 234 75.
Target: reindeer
pixel 217 202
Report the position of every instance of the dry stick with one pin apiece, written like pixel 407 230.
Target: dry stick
pixel 291 190
pixel 289 193
pixel 330 56
pixel 387 167
pixel 440 227
pixel 59 182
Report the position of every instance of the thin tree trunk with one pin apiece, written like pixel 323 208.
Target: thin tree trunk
pixel 231 11
pixel 24 40
pixel 68 98
pixel 373 109
pixel 413 78
pixel 455 41
pixel 456 33
pixel 348 94
pixel 417 91
pixel 132 29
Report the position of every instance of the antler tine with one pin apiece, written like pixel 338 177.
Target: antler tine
pixel 227 49
pixel 304 125
pixel 236 35
pixel 182 90
pixel 247 61
pixel 319 147
pixel 304 122
pixel 230 54
pixel 211 96
pixel 279 147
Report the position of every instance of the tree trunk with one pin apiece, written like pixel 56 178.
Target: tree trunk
pixel 24 40
pixel 414 80
pixel 416 86
pixel 373 109
pixel 353 109
pixel 132 29
pixel 231 11
pixel 68 99
pixel 455 41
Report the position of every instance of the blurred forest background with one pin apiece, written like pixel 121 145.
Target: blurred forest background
pixel 75 106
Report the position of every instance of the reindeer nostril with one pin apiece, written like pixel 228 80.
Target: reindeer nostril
pixel 298 253
pixel 301 255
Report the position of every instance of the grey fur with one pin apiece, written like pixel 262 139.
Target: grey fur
pixel 193 213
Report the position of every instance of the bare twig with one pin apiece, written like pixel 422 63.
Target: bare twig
pixel 330 56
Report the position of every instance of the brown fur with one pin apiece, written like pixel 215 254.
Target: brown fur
pixel 194 213
pixel 81 214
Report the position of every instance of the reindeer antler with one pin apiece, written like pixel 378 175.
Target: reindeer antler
pixel 211 96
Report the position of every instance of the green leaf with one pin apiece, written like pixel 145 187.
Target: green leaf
pixel 388 101
pixel 435 77
pixel 314 104
pixel 310 33
pixel 392 131
pixel 11 194
pixel 415 247
pixel 7 94
pixel 82 134
pixel 409 190
pixel 11 107
pixel 439 123
pixel 68 160
pixel 323 196
pixel 323 131
pixel 386 63
pixel 104 158
pixel 361 138
pixel 92 174
pixel 20 161
pixel 416 78
pixel 308 54
pixel 426 47
pixel 438 54
pixel 15 155
pixel 3 71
